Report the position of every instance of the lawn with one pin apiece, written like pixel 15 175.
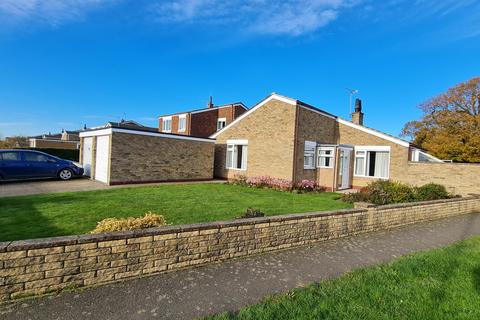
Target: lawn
pixel 438 284
pixel 60 214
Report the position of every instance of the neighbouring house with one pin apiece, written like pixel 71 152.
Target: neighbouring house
pixel 120 153
pixel 286 138
pixel 201 122
pixel 64 140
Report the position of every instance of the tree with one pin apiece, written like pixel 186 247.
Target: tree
pixel 14 142
pixel 450 126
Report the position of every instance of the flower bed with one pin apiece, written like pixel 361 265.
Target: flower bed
pixel 277 184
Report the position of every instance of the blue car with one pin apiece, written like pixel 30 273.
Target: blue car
pixel 29 164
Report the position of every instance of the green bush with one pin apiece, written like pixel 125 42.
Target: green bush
pixel 67 154
pixel 252 213
pixel 388 192
pixel 431 191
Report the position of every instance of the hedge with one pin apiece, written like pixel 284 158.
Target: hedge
pixel 67 154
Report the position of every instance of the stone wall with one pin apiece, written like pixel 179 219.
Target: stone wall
pixel 141 158
pixel 459 178
pixel 46 265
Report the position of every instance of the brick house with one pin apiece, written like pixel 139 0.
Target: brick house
pixel 286 138
pixel 201 122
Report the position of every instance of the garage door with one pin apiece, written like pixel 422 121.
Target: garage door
pixel 101 159
pixel 87 156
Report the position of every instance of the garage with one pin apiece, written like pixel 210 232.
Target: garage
pixel 117 155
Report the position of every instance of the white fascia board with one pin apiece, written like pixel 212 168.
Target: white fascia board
pixel 273 96
pixel 142 133
pixel 220 107
pixel 95 133
pixel 374 132
pixel 238 142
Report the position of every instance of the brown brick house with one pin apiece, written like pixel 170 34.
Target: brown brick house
pixel 201 122
pixel 286 138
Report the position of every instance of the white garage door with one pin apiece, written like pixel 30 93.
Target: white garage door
pixel 101 159
pixel 87 156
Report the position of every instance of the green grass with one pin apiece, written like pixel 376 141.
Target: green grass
pixel 60 214
pixel 438 284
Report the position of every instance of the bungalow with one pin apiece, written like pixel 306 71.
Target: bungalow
pixel 286 138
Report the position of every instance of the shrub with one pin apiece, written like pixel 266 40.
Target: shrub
pixel 387 192
pixel 431 191
pixel 251 213
pixel 239 179
pixel 115 224
pixel 275 183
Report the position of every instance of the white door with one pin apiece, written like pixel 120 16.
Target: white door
pixel 101 158
pixel 87 156
pixel 344 170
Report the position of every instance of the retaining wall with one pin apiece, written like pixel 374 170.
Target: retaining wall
pixel 40 266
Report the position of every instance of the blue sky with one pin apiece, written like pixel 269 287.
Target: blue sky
pixel 65 63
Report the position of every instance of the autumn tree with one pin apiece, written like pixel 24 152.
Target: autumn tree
pixel 450 126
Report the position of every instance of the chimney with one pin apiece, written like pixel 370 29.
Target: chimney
pixel 210 103
pixel 357 116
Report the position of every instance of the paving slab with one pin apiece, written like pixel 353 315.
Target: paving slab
pixel 231 285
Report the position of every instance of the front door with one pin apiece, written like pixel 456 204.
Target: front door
pixel 344 168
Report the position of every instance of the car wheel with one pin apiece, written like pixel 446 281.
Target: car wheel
pixel 65 174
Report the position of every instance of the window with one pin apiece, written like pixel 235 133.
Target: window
pixel 372 162
pixel 167 124
pixel 309 155
pixel 237 156
pixel 182 123
pixel 10 156
pixel 325 157
pixel 36 157
pixel 221 123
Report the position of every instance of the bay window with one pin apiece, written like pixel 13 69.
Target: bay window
pixel 325 157
pixel 236 155
pixel 372 162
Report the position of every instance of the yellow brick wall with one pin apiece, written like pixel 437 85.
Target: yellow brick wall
pixel 140 158
pixel 269 131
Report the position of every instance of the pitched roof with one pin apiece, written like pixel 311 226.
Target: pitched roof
pixel 295 102
pixel 207 109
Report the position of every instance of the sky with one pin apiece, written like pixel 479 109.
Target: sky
pixel 69 63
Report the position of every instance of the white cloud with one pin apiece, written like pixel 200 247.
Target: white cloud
pixel 53 12
pixel 290 17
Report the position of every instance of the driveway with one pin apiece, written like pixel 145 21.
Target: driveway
pixel 22 188
pixel 229 286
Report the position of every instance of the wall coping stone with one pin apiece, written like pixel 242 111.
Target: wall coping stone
pixel 4 245
pixel 89 238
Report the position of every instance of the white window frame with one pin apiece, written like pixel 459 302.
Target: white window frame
pixel 332 157
pixel 184 118
pixel 233 145
pixel 164 121
pixel 310 151
pixel 368 149
pixel 221 120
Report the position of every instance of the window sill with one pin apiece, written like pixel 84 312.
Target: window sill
pixel 370 177
pixel 237 169
pixel 325 167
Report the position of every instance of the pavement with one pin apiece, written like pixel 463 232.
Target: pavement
pixel 231 285
pixel 22 188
